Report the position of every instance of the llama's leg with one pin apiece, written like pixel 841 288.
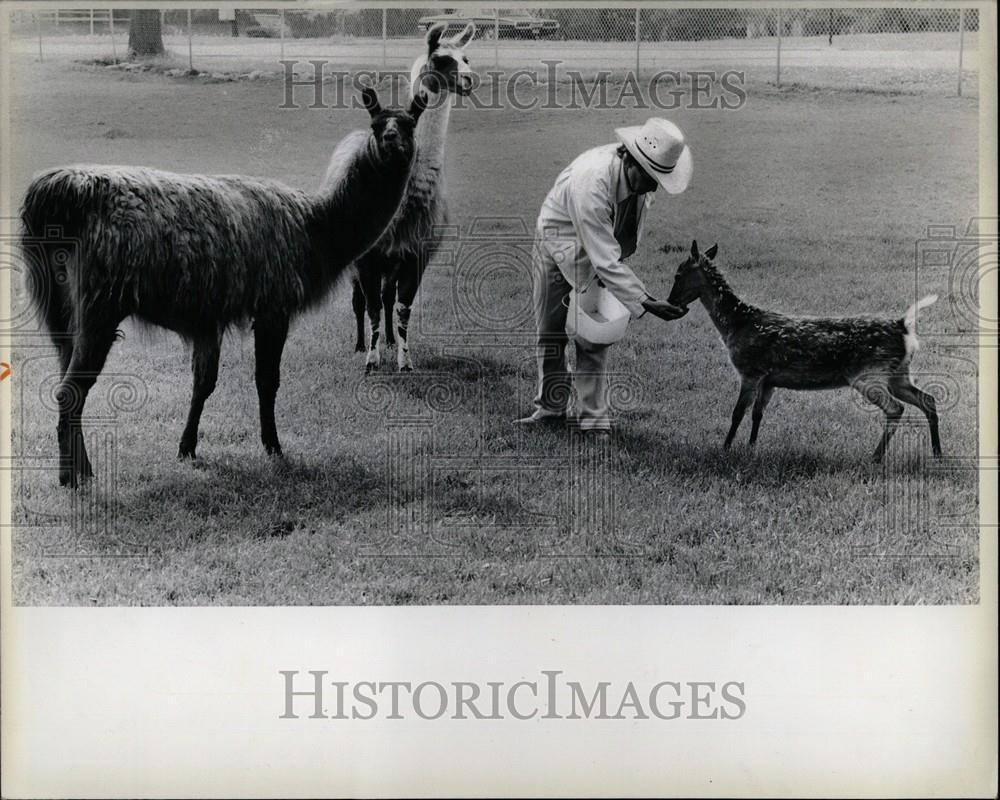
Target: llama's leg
pixel 205 369
pixel 269 341
pixel 358 304
pixel 747 391
pixel 90 350
pixel 371 284
pixel 410 273
pixel 902 389
pixel 64 345
pixel 388 301
pixel 877 392
pixel 759 404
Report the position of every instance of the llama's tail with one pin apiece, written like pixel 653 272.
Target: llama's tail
pixel 910 321
pixel 48 246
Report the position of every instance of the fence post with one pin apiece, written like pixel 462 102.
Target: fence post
pixel 91 22
pixel 282 21
pixel 38 24
pixel 111 28
pixel 829 29
pixel 496 38
pixel 190 53
pixel 778 80
pixel 637 39
pixel 385 35
pixel 961 46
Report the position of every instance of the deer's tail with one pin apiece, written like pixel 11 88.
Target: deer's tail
pixel 910 321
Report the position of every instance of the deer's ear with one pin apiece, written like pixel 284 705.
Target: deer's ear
pixel 462 39
pixel 370 99
pixel 417 106
pixel 712 251
pixel 694 248
pixel 434 34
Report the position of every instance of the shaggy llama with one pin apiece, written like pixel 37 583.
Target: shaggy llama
pixel 390 272
pixel 197 254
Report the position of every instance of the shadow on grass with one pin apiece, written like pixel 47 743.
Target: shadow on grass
pixel 761 467
pixel 266 496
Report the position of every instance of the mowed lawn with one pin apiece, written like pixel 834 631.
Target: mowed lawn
pixel 417 488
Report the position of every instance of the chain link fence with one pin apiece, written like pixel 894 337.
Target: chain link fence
pixel 898 49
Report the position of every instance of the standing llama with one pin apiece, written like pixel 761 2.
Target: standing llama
pixel 197 254
pixel 390 272
pixel 773 351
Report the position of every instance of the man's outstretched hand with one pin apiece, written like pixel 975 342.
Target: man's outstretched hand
pixel 664 309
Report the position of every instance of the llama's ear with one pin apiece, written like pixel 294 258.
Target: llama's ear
pixel 694 248
pixel 434 34
pixel 466 36
pixel 712 251
pixel 370 99
pixel 417 106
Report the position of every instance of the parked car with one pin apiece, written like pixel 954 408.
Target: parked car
pixel 510 25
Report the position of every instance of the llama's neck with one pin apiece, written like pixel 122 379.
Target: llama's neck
pixel 351 214
pixel 727 311
pixel 432 130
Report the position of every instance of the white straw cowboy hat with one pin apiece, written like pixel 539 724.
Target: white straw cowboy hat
pixel 659 148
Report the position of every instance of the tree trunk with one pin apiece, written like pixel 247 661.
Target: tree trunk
pixel 145 37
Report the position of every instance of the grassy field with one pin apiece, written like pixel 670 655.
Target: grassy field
pixel 417 489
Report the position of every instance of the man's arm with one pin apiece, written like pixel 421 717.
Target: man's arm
pixel 664 309
pixel 589 207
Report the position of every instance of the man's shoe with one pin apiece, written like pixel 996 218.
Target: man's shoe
pixel 541 417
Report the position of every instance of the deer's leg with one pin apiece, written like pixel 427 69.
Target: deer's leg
pixel 408 282
pixel 902 389
pixel 877 392
pixel 358 304
pixel 747 390
pixel 269 341
pixel 205 368
pixel 90 351
pixel 388 301
pixel 760 402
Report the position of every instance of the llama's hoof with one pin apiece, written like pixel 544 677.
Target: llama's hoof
pixel 370 368
pixel 406 368
pixel 86 470
pixel 68 478
pixel 274 450
pixel 359 347
pixel 186 453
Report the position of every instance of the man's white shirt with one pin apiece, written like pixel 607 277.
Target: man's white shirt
pixel 576 225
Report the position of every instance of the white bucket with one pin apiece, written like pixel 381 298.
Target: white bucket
pixel 596 316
